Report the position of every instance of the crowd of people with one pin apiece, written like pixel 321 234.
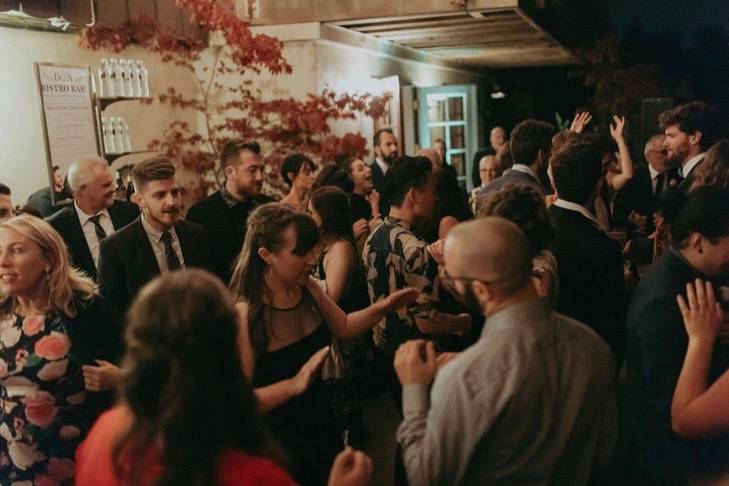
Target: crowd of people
pixel 565 323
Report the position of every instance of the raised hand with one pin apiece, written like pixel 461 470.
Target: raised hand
pixel 617 131
pixel 106 376
pixel 351 468
pixel 415 362
pixel 436 251
pixel 308 373
pixel 702 315
pixel 580 122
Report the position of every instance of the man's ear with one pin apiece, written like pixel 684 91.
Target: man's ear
pixel 482 291
pixel 137 199
pixel 695 138
pixel 696 242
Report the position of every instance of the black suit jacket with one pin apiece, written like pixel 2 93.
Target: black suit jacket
pixel 379 180
pixel 67 224
pixel 127 261
pixel 688 180
pixel 591 282
pixel 651 452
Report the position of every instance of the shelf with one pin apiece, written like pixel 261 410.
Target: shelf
pixel 104 102
pixel 112 157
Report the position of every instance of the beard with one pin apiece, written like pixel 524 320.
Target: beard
pixel 471 302
pixel 390 158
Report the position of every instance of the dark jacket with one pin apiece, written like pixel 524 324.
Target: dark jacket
pixel 591 282
pixel 656 346
pixel 512 177
pixel 379 180
pixel 127 261
pixel 67 224
pixel 225 228
pixel 41 201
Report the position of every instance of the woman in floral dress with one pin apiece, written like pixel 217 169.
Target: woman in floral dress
pixel 57 338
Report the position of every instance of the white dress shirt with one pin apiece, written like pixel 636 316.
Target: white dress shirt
pixel 155 239
pixel 89 229
pixel 383 166
pixel 570 206
pixel 686 168
pixel 654 175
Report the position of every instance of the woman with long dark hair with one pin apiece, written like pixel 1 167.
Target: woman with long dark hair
pixel 298 172
pixel 339 271
pixel 285 318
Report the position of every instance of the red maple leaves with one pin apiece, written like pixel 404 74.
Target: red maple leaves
pixel 237 111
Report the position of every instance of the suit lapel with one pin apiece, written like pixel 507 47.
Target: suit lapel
pixel 82 255
pixel 144 260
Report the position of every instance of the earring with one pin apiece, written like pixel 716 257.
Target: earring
pixel 48 274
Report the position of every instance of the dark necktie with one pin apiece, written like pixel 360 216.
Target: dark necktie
pixel 100 233
pixel 173 263
pixel 660 183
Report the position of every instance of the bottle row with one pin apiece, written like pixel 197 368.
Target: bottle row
pixel 123 78
pixel 116 135
pixel 124 191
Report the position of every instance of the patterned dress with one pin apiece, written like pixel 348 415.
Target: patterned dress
pixel 42 410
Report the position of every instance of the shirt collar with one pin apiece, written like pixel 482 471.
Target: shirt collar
pixel 83 218
pixel 570 206
pixel 534 311
pixel 527 170
pixel 689 166
pixel 154 232
pixel 228 198
pixel 383 166
pixel 654 173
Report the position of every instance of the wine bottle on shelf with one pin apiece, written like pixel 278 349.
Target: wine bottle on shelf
pixel 144 77
pixel 119 83
pixel 121 191
pixel 108 131
pixel 130 187
pixel 118 135
pixel 111 78
pixel 136 79
pixel 102 79
pixel 126 139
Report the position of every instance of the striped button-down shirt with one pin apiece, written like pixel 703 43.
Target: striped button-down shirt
pixel 532 402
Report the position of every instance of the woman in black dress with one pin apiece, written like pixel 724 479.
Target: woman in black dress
pixel 282 311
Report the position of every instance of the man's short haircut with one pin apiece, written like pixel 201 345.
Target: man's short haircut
pixel 404 174
pixel 378 136
pixel 576 169
pixel 231 151
pixel 82 172
pixel 704 210
pixel 528 138
pixel 649 144
pixel 154 169
pixel 696 116
pixel 293 164
pixel 4 189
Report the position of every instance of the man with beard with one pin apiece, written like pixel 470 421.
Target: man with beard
pixel 690 130
pixel 157 242
pixel 385 146
pixel 94 214
pixel 6 204
pixel 531 145
pixel 657 344
pixel 532 401
pixel 224 214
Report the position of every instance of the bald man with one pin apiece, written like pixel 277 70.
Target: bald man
pixel 94 214
pixel 532 401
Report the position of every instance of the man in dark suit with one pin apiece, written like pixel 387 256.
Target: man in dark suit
pixel 385 147
pixel 531 145
pixel 157 242
pixel 651 452
pixel 690 130
pixel 591 283
pixel 94 214
pixel 224 214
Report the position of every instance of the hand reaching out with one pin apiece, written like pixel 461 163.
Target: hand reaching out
pixel 436 251
pixel 617 131
pixel 580 122
pixel 106 376
pixel 308 373
pixel 702 315
pixel 399 299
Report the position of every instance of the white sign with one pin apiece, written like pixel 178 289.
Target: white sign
pixel 68 115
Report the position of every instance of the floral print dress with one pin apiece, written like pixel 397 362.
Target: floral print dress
pixel 42 412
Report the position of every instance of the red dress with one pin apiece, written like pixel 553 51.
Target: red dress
pixel 94 465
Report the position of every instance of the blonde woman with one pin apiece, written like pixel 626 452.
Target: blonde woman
pixel 58 338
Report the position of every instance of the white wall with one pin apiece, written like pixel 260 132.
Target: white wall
pixel 23 164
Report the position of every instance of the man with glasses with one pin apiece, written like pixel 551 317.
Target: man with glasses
pixel 532 401
pixel 224 213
